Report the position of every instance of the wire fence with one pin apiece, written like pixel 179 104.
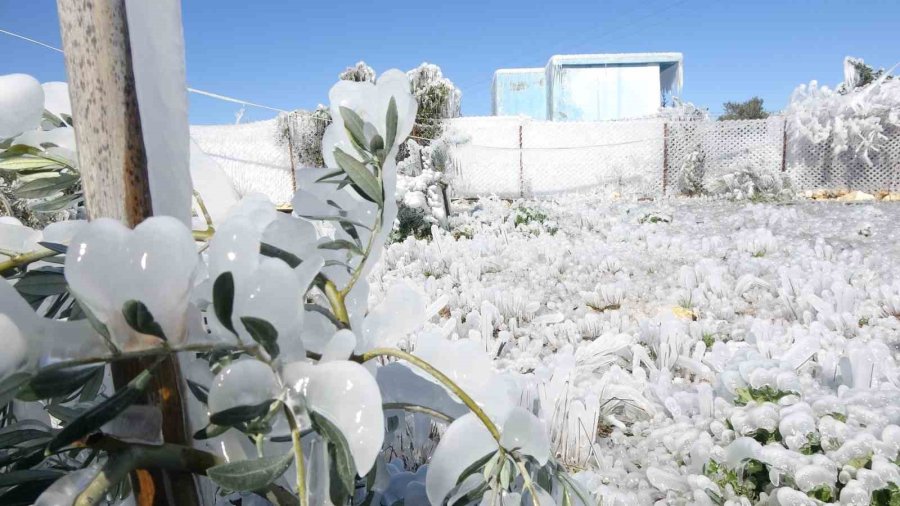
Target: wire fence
pixel 513 157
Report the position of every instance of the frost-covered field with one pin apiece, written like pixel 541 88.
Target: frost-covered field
pixel 660 337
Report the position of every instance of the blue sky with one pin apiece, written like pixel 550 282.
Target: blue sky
pixel 288 53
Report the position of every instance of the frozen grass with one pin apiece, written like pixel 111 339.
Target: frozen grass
pixel 730 352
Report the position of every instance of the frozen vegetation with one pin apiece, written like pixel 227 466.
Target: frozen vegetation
pixel 689 352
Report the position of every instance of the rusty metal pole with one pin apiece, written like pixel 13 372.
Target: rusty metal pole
pixel 113 164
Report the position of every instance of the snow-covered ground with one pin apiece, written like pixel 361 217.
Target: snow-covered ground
pixel 760 337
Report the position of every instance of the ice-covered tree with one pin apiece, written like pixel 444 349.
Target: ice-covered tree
pixel 749 109
pixel 360 73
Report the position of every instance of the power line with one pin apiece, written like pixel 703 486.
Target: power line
pixel 192 90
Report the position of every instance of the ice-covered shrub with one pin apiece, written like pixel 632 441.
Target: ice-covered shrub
pixel 852 120
pixel 39 180
pixel 438 99
pixel 281 348
pixel 693 172
pixel 302 132
pixel 360 73
pixel 680 110
pixel 752 182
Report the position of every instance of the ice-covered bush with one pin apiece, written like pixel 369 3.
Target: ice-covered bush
pixel 680 110
pixel 752 182
pixel 39 180
pixel 302 132
pixel 438 99
pixel 693 171
pixel 852 120
pixel 295 380
pixel 360 73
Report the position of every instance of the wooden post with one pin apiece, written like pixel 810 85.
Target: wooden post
pixel 521 165
pixel 784 144
pixel 113 164
pixel 290 120
pixel 665 174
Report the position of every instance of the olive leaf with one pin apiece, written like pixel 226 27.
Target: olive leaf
pixel 364 180
pixel 223 299
pixel 343 469
pixel 139 318
pixel 94 417
pixel 263 333
pixel 391 125
pixel 254 474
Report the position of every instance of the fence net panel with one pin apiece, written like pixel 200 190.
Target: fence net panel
pixel 818 166
pixel 727 146
pixel 561 157
pixel 489 163
pixel 558 157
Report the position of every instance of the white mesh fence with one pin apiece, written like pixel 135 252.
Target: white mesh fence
pixel 512 157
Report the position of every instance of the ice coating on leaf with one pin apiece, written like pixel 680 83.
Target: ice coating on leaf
pixel 292 235
pixel 215 188
pixel 399 384
pixel 56 98
pixel 21 104
pixel 247 382
pixel 527 433
pixel 234 248
pixel 401 312
pixel 14 346
pixel 65 490
pixel 272 293
pixel 49 341
pixel 107 265
pixel 464 442
pixel 466 363
pixel 664 480
pixel 340 347
pixel 17 238
pixel 62 232
pixel 257 208
pixel 346 394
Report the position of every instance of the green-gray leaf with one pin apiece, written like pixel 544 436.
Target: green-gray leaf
pixel 391 126
pixel 339 451
pixel 199 391
pixel 341 244
pixel 240 414
pixel 96 416
pixel 247 475
pixel 51 383
pixel 263 333
pixel 46 186
pixel 354 125
pixel 223 299
pixel 360 175
pixel 40 282
pixel 376 144
pixel 11 478
pixel 139 318
pixel 210 431
pixel 56 204
pixel 11 385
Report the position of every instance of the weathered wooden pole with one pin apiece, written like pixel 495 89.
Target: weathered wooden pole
pixel 665 171
pixel 113 162
pixel 784 145
pixel 521 166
